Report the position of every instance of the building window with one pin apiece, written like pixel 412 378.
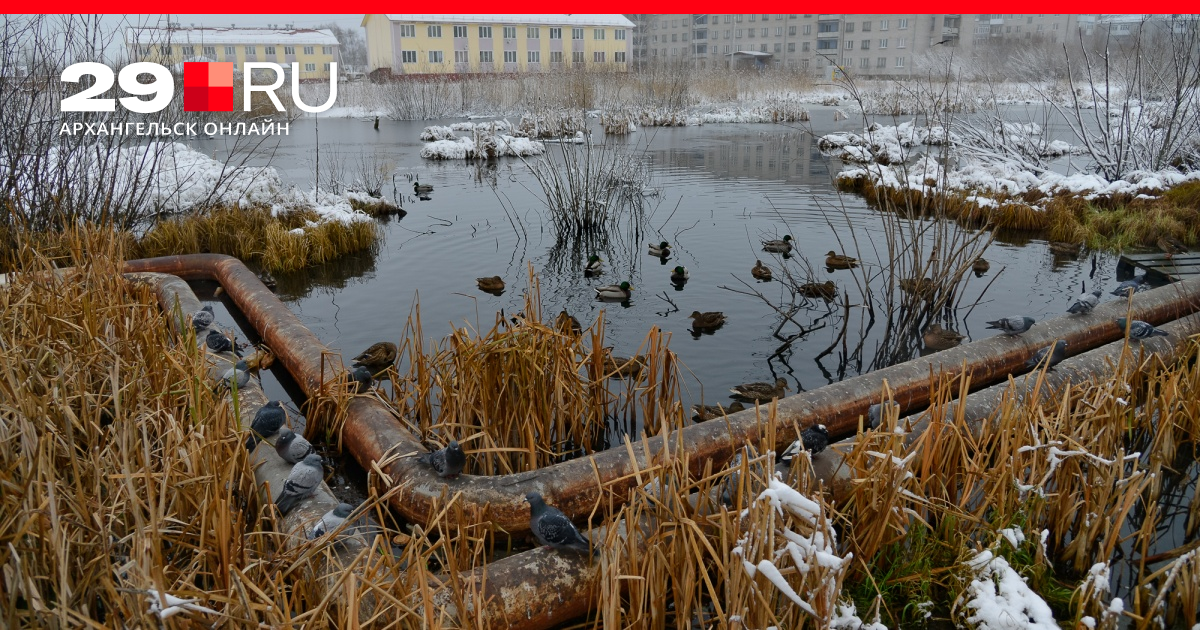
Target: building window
pixel 849 27
pixel 434 30
pixel 165 51
pixel 804 64
pixel 674 37
pixel 778 48
pixel 881 62
pixel 598 56
pixel 460 31
pixel 791 31
pixel 210 51
pixel 849 44
pixel 883 25
pixel 619 56
pixel 556 33
pixel 189 50
pixel 804 47
pixel 408 30
pixel 577 33
pixel 902 23
pixel 534 56
pixel 864 63
pixel 308 50
pixel 533 32
pixel 229 51
pixel 866 27
pixel 326 66
pixel 269 50
pixel 597 33
pixel 901 43
pixel 250 50
pixel 485 32
pixel 435 56
pixel 791 47
pixel 808 29
pixel 864 44
pixel 310 67
pixel 327 50
pixel 460 56
pixel 556 56
pixel 289 50
pixel 899 62
pixel 826 44
pixel 619 34
pixel 762 48
pixel 577 56
pixel 510 56
pixel 882 44
pixel 510 32
pixel 765 30
pixel 827 27
pixel 485 56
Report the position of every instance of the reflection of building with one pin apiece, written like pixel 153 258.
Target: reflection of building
pixel 788 157
pixel 313 49
pixel 405 44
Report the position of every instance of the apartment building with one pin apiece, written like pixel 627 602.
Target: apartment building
pixel 416 44
pixel 866 44
pixel 313 49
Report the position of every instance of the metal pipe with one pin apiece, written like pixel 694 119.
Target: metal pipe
pixel 372 433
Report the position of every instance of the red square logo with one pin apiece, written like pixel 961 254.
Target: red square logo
pixel 207 87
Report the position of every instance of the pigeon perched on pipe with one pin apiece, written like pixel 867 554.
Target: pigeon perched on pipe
pixel 1136 284
pixel 292 448
pixel 203 318
pixel 332 520
pixel 218 342
pixel 1085 302
pixel 267 422
pixel 1012 326
pixel 552 528
pixel 446 462
pixel 1140 330
pixel 875 413
pixel 1057 353
pixel 301 483
pixel 236 376
pixel 814 439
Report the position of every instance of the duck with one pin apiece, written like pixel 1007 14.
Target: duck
pixel 679 274
pixel 918 286
pixel 782 246
pixel 761 271
pixel 980 266
pixel 761 391
pixel 1063 248
pixel 1171 245
pixel 619 292
pixel 662 250
pixel 567 324
pixel 377 358
pixel 700 413
pixel 824 290
pixel 709 321
pixel 834 260
pixel 494 284
pixel 938 338
pixel 595 266
pixel 623 366
pixel 419 188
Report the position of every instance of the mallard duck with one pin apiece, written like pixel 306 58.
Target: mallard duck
pixel 679 274
pixel 761 271
pixel 782 246
pixel 1171 245
pixel 491 285
pixel 761 391
pixel 419 188
pixel 711 320
pixel 824 290
pixel 662 250
pixel 834 260
pixel 567 324
pixel 980 266
pixel 700 413
pixel 918 286
pixel 1065 249
pixel 938 338
pixel 594 267
pixel 618 292
pixel 622 366
pixel 378 357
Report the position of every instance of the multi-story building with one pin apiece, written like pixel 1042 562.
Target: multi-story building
pixel 314 50
pixel 865 44
pixel 416 44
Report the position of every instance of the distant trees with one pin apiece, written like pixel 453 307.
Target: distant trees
pixel 353 45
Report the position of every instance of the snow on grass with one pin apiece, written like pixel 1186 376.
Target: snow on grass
pixel 486 146
pixel 846 618
pixel 1000 600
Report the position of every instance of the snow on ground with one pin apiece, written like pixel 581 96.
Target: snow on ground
pixel 999 599
pixel 482 145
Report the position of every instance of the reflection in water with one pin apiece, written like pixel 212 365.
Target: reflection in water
pixel 329 277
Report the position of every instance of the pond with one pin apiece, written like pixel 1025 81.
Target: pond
pixel 722 189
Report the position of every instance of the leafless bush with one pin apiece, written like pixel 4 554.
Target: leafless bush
pixel 371 172
pixel 587 187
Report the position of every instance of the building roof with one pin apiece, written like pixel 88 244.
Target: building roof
pixel 549 19
pixel 269 36
pixel 749 53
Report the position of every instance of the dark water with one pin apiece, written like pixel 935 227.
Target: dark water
pixel 723 188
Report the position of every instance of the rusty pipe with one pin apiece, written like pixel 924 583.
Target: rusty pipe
pixel 372 433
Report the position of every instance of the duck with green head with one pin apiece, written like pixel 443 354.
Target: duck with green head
pixel 594 266
pixel 419 188
pixel 782 246
pixel 679 275
pixel 662 250
pixel 615 292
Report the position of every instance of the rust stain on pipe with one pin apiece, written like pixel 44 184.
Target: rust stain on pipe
pixel 372 432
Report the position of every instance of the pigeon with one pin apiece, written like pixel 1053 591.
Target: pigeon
pixel 361 375
pixel 1012 326
pixel 332 520
pixel 1136 284
pixel 1139 329
pixel 1057 353
pixel 292 448
pixel 267 422
pixel 203 318
pixel 814 439
pixel 1085 302
pixel 236 376
pixel 446 462
pixel 875 413
pixel 552 528
pixel 218 342
pixel 301 483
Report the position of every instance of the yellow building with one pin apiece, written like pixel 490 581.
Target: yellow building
pixel 403 44
pixel 313 49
